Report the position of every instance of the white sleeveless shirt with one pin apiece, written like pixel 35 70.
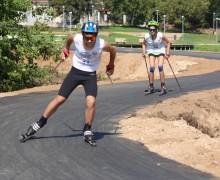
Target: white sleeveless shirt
pixel 87 60
pixel 156 46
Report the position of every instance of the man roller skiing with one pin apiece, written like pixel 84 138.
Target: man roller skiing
pixel 86 60
pixel 157 46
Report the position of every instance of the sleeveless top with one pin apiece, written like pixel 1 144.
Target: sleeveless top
pixel 87 60
pixel 157 46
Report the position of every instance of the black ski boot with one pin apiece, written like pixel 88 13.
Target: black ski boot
pixel 33 129
pixel 88 135
pixel 150 90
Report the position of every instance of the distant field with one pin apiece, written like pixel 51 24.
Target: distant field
pixel 201 41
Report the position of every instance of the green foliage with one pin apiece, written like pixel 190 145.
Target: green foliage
pixel 77 7
pixel 17 76
pixel 20 48
pixel 19 54
pixel 196 12
pixel 192 10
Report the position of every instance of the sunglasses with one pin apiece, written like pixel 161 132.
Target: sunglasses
pixel 90 38
pixel 152 30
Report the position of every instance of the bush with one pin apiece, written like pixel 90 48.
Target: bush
pixel 17 57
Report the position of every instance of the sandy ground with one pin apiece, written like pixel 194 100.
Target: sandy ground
pixel 185 129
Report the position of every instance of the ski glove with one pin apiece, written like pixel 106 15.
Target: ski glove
pixel 167 55
pixel 110 68
pixel 66 52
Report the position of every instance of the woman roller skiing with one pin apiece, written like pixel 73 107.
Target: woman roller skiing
pixel 157 46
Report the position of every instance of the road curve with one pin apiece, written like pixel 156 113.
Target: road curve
pixel 58 151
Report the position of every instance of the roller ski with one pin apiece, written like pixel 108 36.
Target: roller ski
pixel 163 90
pixel 89 138
pixel 150 90
pixel 24 137
pixel 32 130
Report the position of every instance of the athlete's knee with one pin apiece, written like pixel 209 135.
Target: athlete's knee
pixel 90 101
pixel 152 69
pixel 59 100
pixel 160 68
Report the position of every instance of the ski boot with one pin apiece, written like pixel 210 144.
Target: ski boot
pixel 89 137
pixel 150 90
pixel 163 90
pixel 33 129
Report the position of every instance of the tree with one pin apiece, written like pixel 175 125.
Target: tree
pixel 213 8
pixel 10 14
pixel 195 12
pixel 20 47
pixel 134 10
pixel 77 7
pixel 192 10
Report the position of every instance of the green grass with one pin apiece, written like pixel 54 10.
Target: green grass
pixel 106 29
pixel 193 38
pixel 201 42
pixel 129 39
pixel 122 29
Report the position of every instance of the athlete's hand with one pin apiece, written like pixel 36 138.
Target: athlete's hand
pixel 110 69
pixel 143 55
pixel 64 54
pixel 167 55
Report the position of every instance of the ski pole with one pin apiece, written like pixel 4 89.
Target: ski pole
pixel 57 66
pixel 54 70
pixel 173 73
pixel 147 69
pixel 110 79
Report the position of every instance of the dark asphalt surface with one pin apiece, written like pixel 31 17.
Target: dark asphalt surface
pixel 179 53
pixel 58 151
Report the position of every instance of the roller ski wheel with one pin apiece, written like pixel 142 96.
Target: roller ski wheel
pixel 24 138
pixel 148 93
pixel 89 138
pixel 163 90
pixel 30 132
pixel 91 142
pixel 161 93
pixel 150 90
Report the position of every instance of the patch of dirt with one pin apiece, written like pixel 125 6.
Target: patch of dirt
pixel 185 129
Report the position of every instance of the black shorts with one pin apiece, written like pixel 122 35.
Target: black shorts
pixel 78 77
pixel 151 54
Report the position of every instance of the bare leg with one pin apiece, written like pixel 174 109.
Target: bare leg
pixel 152 64
pixel 160 63
pixel 90 109
pixel 50 109
pixel 53 106
pixel 89 115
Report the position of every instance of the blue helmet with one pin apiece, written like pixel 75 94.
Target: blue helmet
pixel 90 27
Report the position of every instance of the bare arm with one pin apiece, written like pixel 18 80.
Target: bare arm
pixel 168 45
pixel 144 48
pixel 65 51
pixel 112 51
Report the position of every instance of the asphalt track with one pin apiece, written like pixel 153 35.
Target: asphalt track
pixel 58 151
